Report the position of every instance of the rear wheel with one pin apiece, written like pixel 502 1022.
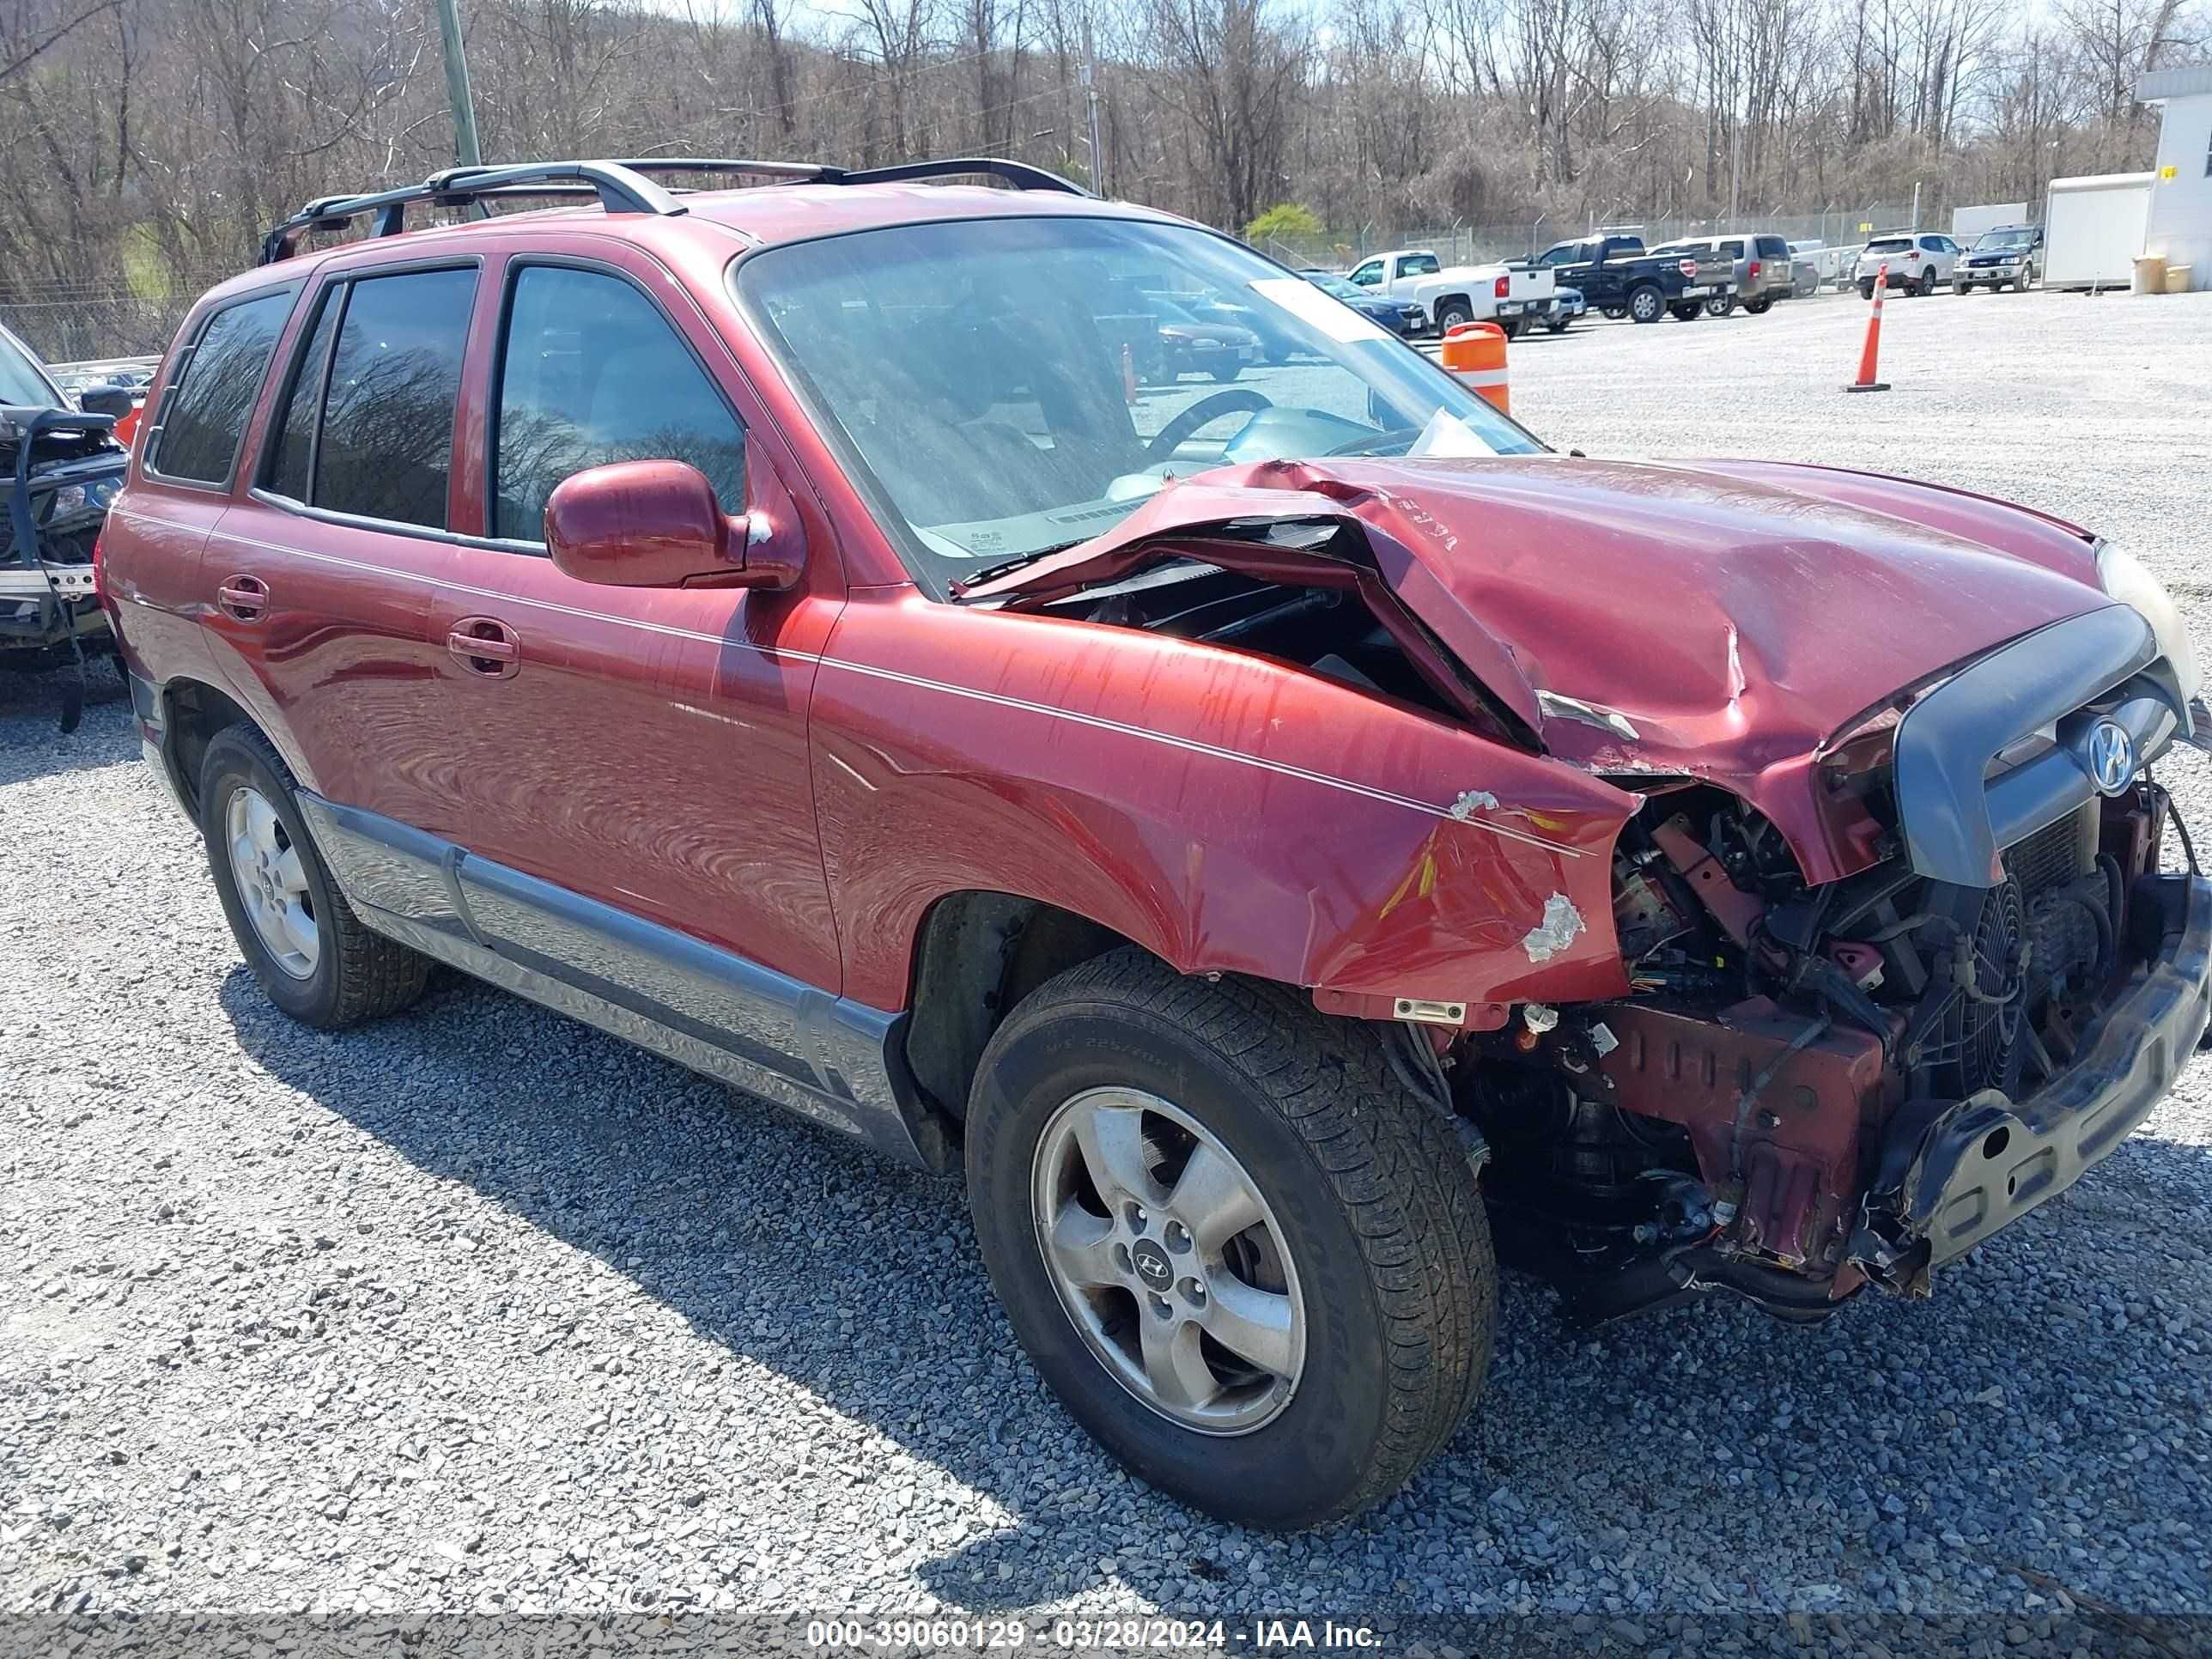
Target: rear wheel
pixel 1612 314
pixel 1512 327
pixel 1688 312
pixel 1647 304
pixel 1759 307
pixel 314 959
pixel 1452 313
pixel 1558 324
pixel 1251 1263
pixel 1228 372
pixel 1720 305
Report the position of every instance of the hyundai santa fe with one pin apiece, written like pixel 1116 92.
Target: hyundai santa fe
pixel 1282 842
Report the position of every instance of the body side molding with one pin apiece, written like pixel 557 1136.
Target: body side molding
pixel 838 1063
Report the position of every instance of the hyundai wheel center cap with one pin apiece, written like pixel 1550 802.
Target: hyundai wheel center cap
pixel 1152 1264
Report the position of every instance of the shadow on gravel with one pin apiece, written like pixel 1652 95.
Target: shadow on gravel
pixel 1724 1460
pixel 32 742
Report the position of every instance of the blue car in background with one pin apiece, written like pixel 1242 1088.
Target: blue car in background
pixel 1396 315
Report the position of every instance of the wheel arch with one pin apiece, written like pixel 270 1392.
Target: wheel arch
pixel 193 711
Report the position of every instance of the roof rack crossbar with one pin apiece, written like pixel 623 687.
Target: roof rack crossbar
pixel 619 189
pixel 622 186
pixel 1020 174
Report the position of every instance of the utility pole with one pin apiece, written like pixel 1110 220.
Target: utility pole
pixel 1091 96
pixel 466 148
pixel 1915 204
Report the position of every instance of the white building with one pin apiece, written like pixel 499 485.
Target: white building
pixel 2180 228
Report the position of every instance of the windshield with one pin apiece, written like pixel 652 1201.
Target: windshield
pixel 2007 236
pixel 1004 387
pixel 22 382
pixel 1337 286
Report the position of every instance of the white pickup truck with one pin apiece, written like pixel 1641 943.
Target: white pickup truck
pixel 1510 295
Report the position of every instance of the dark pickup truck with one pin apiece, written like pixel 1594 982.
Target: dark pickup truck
pixel 1617 276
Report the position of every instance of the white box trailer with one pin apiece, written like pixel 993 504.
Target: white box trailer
pixel 1968 223
pixel 2094 228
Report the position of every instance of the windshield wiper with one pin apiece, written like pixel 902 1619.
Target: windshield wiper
pixel 991 572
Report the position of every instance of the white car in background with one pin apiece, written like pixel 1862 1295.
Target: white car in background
pixel 1511 295
pixel 1919 261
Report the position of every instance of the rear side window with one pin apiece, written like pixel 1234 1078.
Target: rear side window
pixel 591 372
pixel 302 403
pixel 1732 250
pixel 386 446
pixel 1773 247
pixel 204 415
pixel 1421 264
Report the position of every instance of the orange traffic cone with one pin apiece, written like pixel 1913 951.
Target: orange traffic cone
pixel 1474 353
pixel 1128 375
pixel 1866 381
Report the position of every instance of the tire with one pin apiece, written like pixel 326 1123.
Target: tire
pixel 1646 304
pixel 1366 1186
pixel 1926 285
pixel 1452 313
pixel 1720 305
pixel 1761 306
pixel 1866 290
pixel 1612 314
pixel 354 975
pixel 1558 325
pixel 1513 327
pixel 1690 312
pixel 1962 288
pixel 1225 376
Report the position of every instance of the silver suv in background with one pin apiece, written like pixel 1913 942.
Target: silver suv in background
pixel 2006 257
pixel 1763 271
pixel 1918 261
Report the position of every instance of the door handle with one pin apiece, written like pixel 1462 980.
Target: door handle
pixel 244 598
pixel 485 646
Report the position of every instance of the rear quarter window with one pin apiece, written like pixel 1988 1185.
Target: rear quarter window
pixel 204 415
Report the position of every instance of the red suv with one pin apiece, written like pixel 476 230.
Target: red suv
pixel 1271 836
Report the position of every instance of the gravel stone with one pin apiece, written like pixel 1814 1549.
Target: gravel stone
pixel 477 1308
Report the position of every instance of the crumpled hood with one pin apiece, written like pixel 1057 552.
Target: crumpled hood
pixel 1717 619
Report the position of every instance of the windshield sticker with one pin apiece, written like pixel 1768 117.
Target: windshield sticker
pixel 1325 312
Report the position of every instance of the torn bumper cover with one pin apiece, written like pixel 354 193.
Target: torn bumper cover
pixel 1951 1173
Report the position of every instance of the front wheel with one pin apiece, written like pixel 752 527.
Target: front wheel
pixel 1228 372
pixel 1866 290
pixel 1926 285
pixel 1251 1261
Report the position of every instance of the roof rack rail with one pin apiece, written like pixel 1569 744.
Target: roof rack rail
pixel 1020 174
pixel 621 186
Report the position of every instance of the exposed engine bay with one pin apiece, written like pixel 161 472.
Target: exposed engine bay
pixel 1721 1127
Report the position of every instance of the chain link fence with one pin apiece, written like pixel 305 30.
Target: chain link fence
pixel 105 317
pixel 1474 245
pixel 108 317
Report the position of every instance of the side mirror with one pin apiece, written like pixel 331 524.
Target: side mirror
pixel 657 524
pixel 106 400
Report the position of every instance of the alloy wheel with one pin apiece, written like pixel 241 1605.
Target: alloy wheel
pixel 1169 1260
pixel 272 883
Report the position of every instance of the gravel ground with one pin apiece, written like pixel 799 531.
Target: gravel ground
pixel 480 1309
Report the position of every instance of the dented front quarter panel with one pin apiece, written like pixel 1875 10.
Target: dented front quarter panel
pixel 1230 812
